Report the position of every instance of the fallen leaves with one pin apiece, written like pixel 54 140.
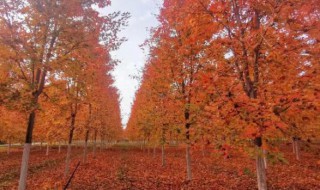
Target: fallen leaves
pixel 133 168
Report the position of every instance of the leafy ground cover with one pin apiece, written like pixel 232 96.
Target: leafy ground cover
pixel 125 167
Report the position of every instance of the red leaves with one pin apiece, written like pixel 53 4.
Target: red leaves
pixel 118 168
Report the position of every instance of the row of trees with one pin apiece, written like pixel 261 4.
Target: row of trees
pixel 241 73
pixel 55 73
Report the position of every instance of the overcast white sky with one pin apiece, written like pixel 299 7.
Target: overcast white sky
pixel 131 56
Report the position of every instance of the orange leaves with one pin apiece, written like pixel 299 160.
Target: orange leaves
pixel 237 70
pixel 58 42
pixel 252 131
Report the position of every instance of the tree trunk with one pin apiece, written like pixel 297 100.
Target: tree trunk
pixel 24 166
pixel 297 147
pixel 41 145
pixel 26 152
pixel 95 144
pixel 73 119
pixel 47 152
pixel 297 150
pixel 293 145
pixel 9 147
pixel 265 158
pixel 261 171
pixel 59 147
pixel 85 147
pixel 162 157
pixel 66 172
pixel 188 158
pixel 154 151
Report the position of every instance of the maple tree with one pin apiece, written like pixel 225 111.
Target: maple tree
pixel 44 41
pixel 239 70
pixel 237 79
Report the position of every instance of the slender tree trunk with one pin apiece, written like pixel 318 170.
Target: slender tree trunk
pixel 163 156
pixel 47 151
pixel 265 158
pixel 85 147
pixel 68 158
pixel 293 145
pixel 188 158
pixel 24 166
pixel 187 127
pixel 95 144
pixel 26 152
pixel 260 165
pixel 59 147
pixel 296 147
pixel 66 172
pixel 9 147
pixel 297 150
pixel 41 145
pixel 261 174
pixel 87 136
pixel 154 151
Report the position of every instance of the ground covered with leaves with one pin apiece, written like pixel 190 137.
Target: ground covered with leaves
pixel 126 167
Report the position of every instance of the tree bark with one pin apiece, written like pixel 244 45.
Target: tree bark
pixel 154 151
pixel 85 147
pixel 59 147
pixel 95 144
pixel 26 151
pixel 66 172
pixel 261 171
pixel 265 158
pixel 73 119
pixel 9 147
pixel 47 151
pixel 24 166
pixel 188 158
pixel 163 156
pixel 297 150
pixel 296 147
pixel 293 145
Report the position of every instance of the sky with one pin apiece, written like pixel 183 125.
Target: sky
pixel 132 57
